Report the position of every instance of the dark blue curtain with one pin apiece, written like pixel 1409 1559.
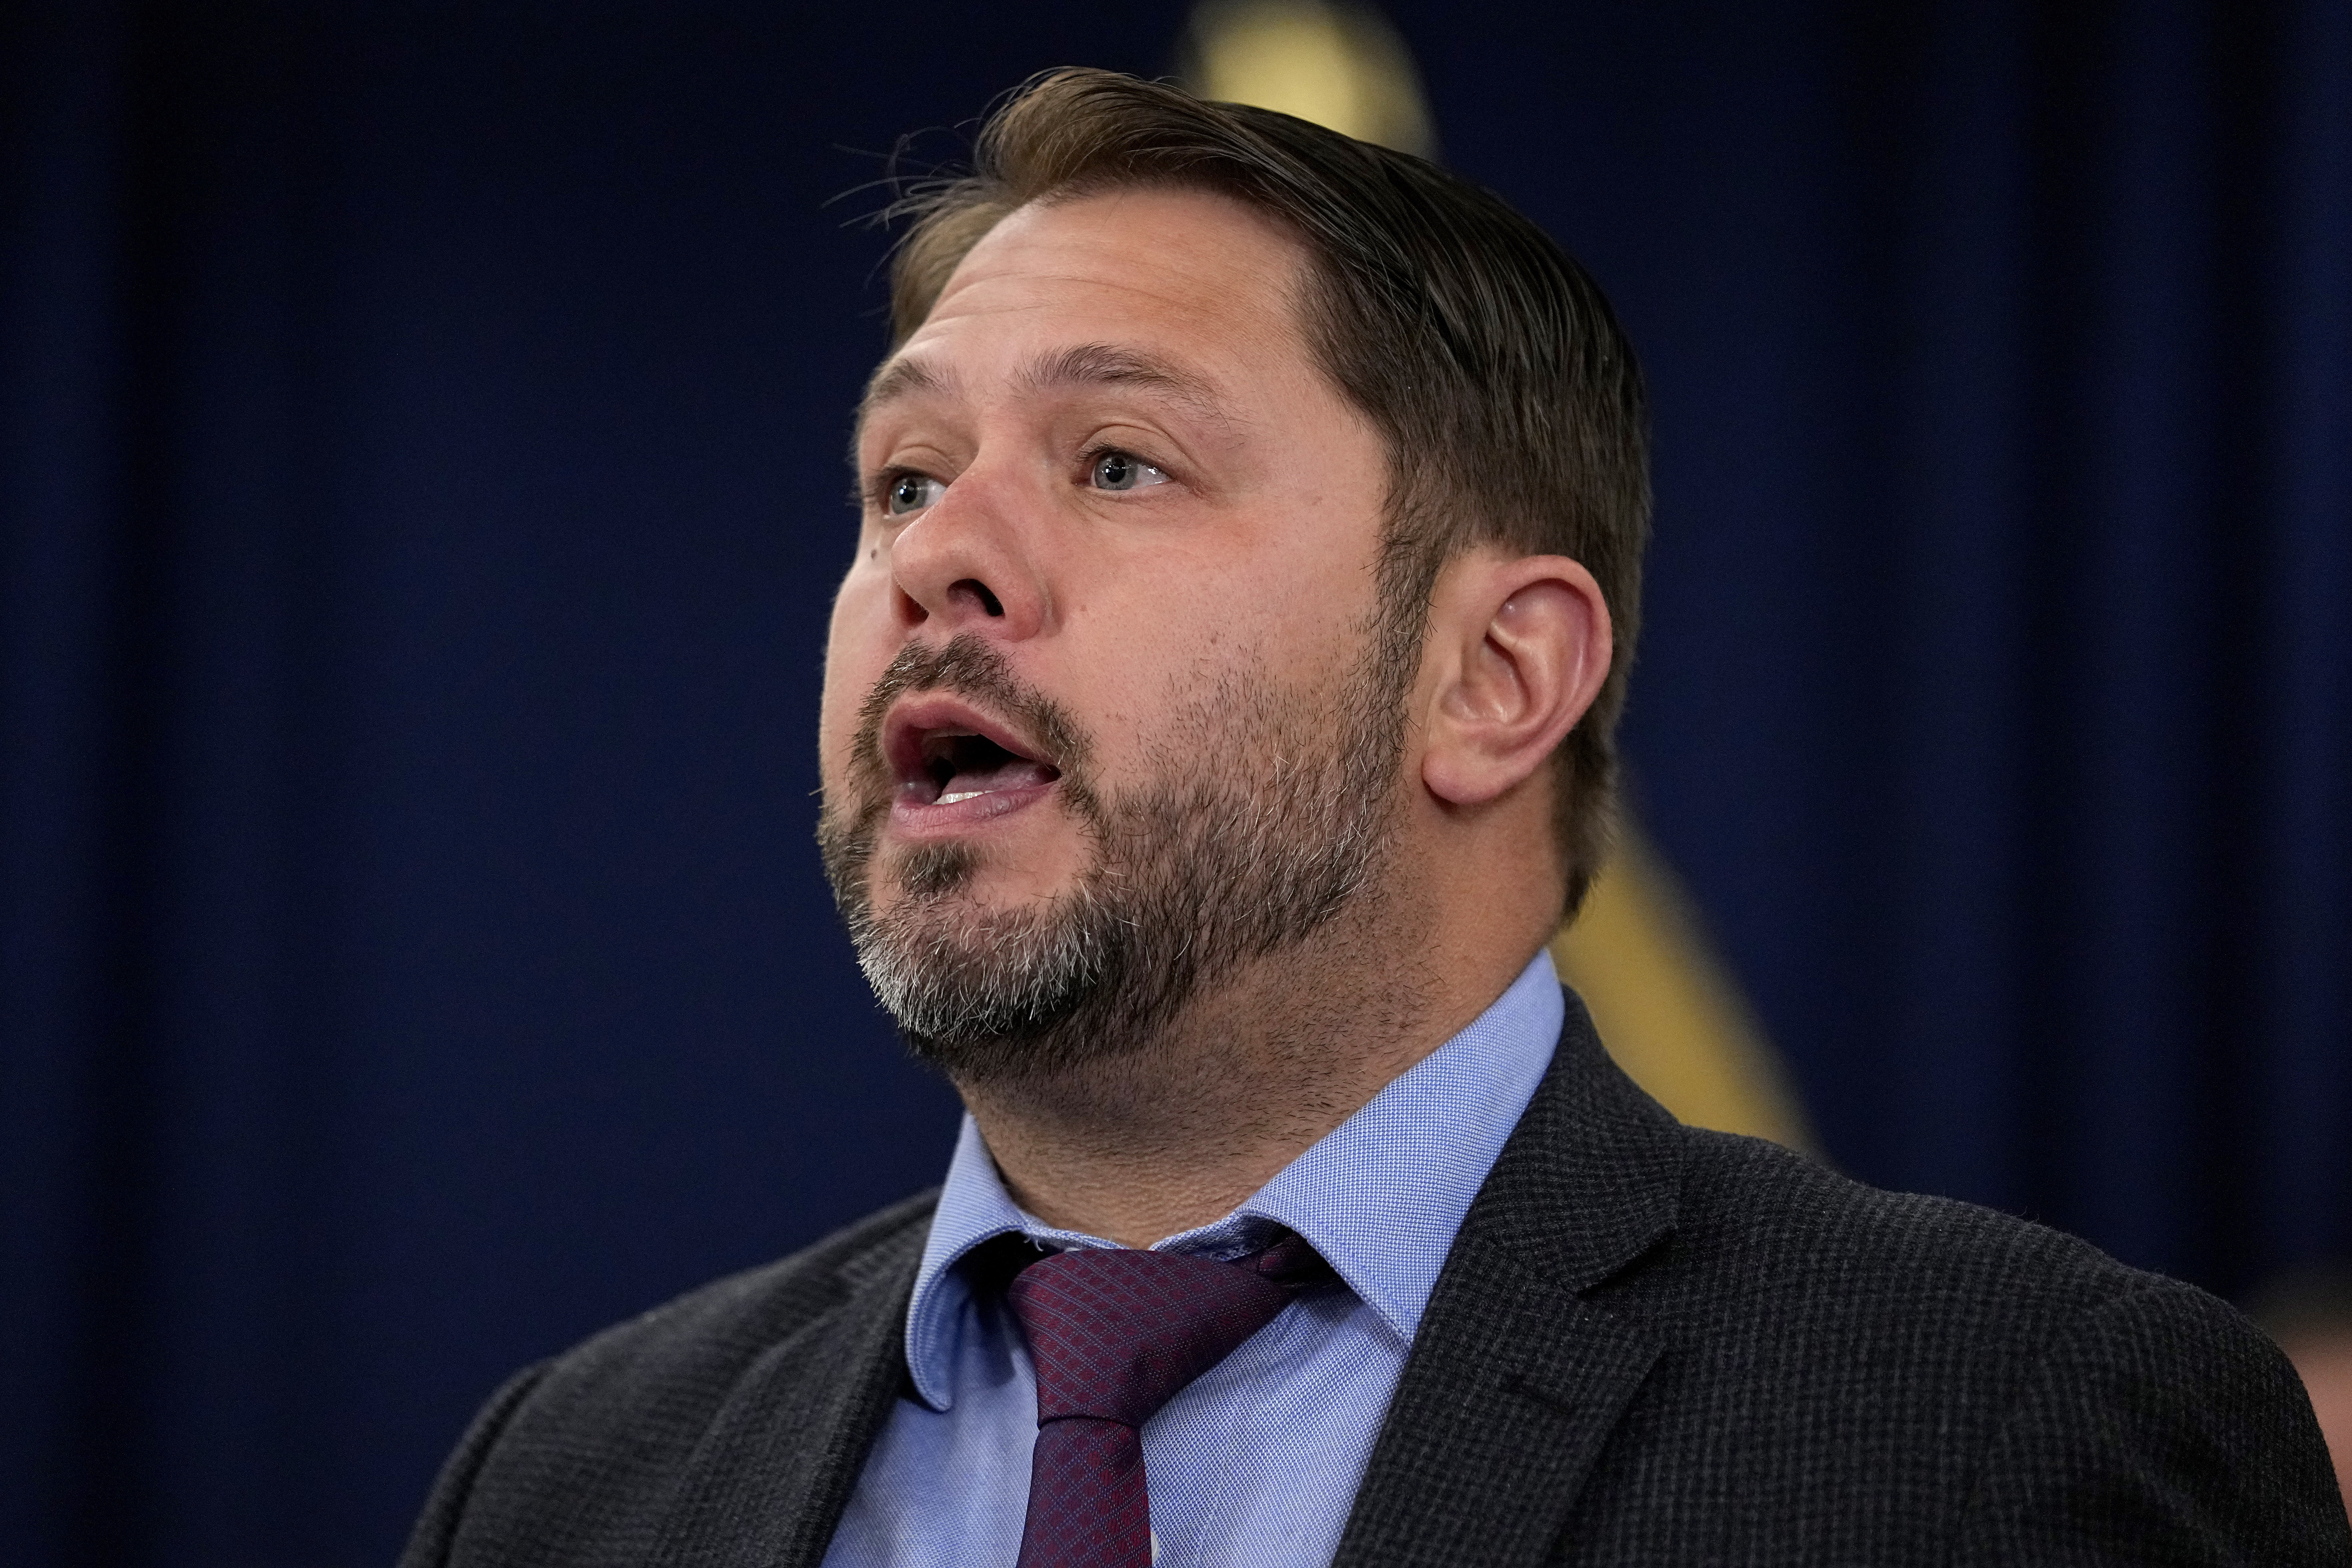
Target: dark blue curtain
pixel 419 457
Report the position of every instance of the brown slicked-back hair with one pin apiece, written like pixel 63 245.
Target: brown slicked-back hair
pixel 1487 359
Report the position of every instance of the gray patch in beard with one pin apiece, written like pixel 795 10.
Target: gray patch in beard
pixel 1269 813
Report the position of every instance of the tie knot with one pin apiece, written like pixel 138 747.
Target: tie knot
pixel 1117 1333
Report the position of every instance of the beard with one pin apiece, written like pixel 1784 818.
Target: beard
pixel 1270 811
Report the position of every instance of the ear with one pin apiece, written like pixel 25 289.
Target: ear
pixel 1519 646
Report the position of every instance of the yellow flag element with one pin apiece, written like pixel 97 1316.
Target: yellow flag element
pixel 1334 64
pixel 1667 1010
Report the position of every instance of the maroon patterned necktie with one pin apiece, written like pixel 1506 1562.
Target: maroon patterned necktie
pixel 1115 1334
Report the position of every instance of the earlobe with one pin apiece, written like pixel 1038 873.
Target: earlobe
pixel 1529 648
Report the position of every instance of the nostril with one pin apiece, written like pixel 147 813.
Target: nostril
pixel 979 590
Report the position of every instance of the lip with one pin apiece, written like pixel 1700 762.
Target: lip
pixel 914 719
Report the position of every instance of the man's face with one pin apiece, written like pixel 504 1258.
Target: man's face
pixel 1101 718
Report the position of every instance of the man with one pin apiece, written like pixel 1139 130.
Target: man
pixel 1217 723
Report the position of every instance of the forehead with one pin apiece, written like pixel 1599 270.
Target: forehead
pixel 1189 275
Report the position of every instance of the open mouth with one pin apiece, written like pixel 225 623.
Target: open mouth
pixel 943 754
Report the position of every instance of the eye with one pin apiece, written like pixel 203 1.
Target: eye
pixel 1116 470
pixel 910 492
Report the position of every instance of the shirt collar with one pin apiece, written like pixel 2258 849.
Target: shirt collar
pixel 1380 1197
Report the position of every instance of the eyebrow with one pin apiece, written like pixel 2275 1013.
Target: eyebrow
pixel 898 379
pixel 1086 364
pixel 1106 364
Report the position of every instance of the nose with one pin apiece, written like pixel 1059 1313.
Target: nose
pixel 967 563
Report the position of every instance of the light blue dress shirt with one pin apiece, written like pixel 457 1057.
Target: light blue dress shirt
pixel 1255 1464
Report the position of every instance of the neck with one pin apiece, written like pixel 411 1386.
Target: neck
pixel 1177 1132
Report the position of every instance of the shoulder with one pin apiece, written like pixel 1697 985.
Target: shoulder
pixel 1775 1260
pixel 579 1459
pixel 1763 1223
pixel 1609 1196
pixel 1956 1373
pixel 706 1336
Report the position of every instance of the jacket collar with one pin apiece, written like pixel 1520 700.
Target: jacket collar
pixel 1515 1380
pixel 766 1486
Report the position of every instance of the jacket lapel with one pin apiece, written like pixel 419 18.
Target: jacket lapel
pixel 1515 1381
pixel 766 1486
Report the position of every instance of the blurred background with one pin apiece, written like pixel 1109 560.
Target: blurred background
pixel 420 435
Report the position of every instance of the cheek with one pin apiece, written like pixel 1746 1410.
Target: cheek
pixel 1305 618
pixel 858 648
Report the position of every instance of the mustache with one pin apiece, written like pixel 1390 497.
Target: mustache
pixel 966 665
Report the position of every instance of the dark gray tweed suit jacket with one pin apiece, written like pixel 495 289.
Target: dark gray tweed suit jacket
pixel 1649 1345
